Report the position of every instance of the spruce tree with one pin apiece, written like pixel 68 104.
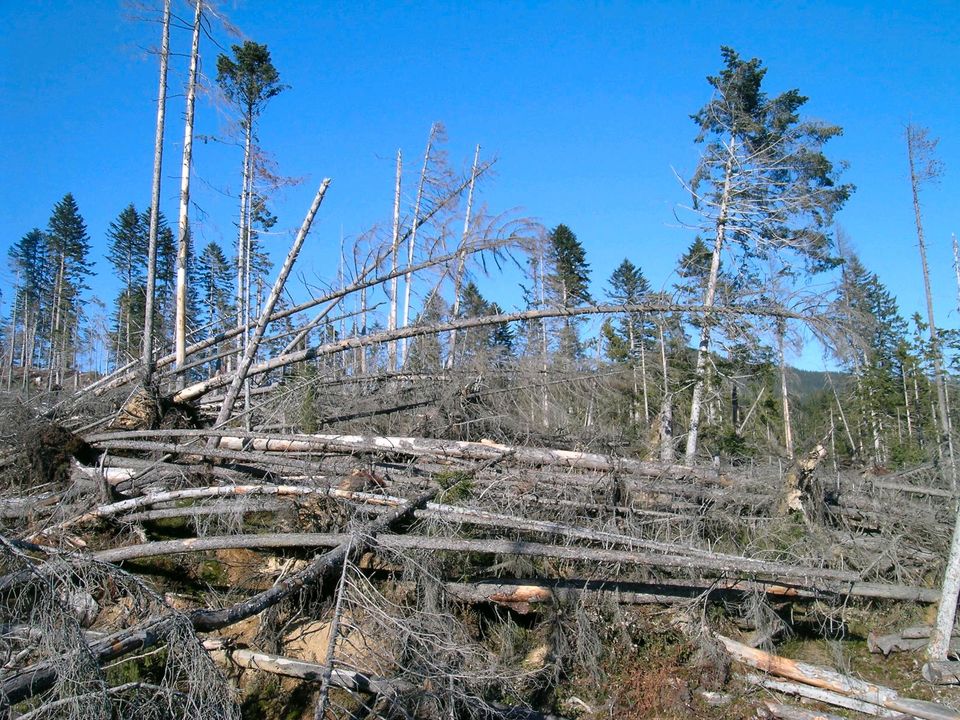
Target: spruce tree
pixel 627 337
pixel 763 188
pixel 249 80
pixel 127 253
pixel 69 248
pixel 32 265
pixel 568 286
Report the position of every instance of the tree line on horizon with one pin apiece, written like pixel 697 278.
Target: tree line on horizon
pixel 763 202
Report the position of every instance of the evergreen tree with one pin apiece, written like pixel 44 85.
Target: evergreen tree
pixel 32 265
pixel 487 343
pixel 763 187
pixel 568 286
pixel 878 357
pixel 627 335
pixel 127 252
pixel 249 80
pixel 69 248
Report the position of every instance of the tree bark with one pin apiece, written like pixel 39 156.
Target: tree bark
pixel 708 302
pixel 833 681
pixel 394 264
pixel 412 241
pixel 242 372
pixel 462 260
pixel 148 331
pixel 183 222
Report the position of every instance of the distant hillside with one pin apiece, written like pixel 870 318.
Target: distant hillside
pixel 803 383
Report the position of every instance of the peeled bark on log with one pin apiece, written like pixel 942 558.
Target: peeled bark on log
pixel 292 667
pixel 903 642
pixel 836 682
pixel 424 447
pixel 825 696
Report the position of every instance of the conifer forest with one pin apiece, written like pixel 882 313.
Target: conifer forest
pixel 232 489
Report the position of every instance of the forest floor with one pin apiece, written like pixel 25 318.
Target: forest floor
pixel 149 561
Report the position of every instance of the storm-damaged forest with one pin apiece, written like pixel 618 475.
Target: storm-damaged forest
pixel 458 473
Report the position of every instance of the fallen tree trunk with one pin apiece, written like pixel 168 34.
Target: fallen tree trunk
pixel 302 670
pixel 432 510
pixel 422 447
pixel 907 640
pixel 833 681
pixel 721 564
pixel 825 696
pixel 783 711
pixel 942 672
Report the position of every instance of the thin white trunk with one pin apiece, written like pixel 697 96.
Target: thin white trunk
pixel 412 242
pixel 666 405
pixel 956 264
pixel 183 224
pixel 947 608
pixel 643 375
pixel 462 258
pixel 784 395
pixel 394 262
pixel 242 229
pixel 148 331
pixel 708 301
pixel 906 401
pixel 13 332
pixel 934 337
pixel 226 409
pixel 55 322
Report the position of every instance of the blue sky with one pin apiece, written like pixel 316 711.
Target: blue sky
pixel 586 105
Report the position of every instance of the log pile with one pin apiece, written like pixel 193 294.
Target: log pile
pixel 570 526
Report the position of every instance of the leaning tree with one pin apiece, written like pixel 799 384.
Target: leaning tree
pixel 763 187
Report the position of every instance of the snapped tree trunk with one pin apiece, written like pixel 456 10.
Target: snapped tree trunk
pixel 394 263
pixel 462 260
pixel 183 223
pixel 148 365
pixel 241 375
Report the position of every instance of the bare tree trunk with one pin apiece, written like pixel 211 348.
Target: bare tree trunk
pixel 784 395
pixel 13 330
pixel 918 149
pixel 242 372
pixel 906 402
pixel 462 259
pixel 55 322
pixel 412 242
pixel 183 224
pixel 643 373
pixel 394 262
pixel 148 365
pixel 918 144
pixel 708 302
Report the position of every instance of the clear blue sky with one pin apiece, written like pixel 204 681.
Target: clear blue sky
pixel 586 105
